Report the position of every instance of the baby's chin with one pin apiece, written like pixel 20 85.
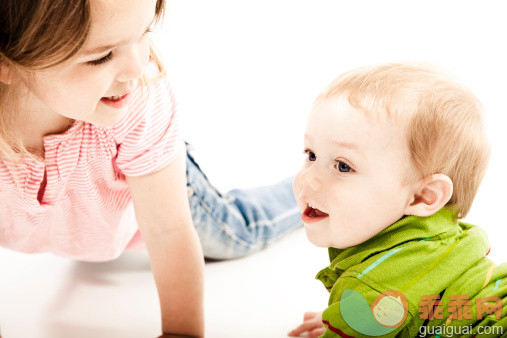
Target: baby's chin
pixel 321 240
pixel 315 239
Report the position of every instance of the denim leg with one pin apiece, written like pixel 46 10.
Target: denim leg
pixel 241 221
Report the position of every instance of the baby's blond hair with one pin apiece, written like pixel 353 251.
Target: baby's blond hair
pixel 445 130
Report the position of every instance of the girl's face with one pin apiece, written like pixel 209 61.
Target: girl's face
pixel 109 64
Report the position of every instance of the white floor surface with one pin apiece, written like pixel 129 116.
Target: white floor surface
pixel 263 295
pixel 245 74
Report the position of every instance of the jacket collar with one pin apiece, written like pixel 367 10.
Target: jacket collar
pixel 443 223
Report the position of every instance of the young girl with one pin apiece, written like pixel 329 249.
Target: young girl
pixel 89 130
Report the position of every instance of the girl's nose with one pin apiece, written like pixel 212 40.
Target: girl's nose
pixel 133 65
pixel 310 177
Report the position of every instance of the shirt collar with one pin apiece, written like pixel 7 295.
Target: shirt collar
pixel 443 223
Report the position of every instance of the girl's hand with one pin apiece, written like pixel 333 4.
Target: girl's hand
pixel 173 336
pixel 176 259
pixel 312 323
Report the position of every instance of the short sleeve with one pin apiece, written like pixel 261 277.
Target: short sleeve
pixel 148 138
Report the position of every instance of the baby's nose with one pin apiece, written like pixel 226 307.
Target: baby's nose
pixel 310 177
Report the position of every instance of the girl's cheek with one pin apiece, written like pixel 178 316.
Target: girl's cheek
pixel 146 51
pixel 90 83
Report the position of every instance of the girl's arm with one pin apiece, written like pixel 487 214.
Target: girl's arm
pixel 163 214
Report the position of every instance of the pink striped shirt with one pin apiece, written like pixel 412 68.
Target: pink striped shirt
pixel 86 211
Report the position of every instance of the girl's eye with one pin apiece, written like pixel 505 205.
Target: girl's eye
pixel 310 155
pixel 101 60
pixel 343 167
pixel 109 56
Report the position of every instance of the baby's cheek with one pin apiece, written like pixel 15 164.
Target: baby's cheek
pixel 296 189
pixel 295 186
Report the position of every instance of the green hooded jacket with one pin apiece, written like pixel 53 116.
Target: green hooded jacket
pixel 433 257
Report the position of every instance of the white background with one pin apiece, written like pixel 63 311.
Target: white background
pixel 245 74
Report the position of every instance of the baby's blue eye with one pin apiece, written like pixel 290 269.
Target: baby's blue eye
pixel 311 155
pixel 343 167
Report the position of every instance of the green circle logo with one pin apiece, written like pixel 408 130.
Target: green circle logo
pixel 387 312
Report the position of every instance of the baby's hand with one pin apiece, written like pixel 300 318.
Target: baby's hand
pixel 312 323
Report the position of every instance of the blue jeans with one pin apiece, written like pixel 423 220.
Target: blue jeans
pixel 239 222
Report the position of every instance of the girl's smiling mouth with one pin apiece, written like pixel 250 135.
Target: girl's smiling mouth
pixel 115 101
pixel 312 215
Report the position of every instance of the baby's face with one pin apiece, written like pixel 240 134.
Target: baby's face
pixel 357 176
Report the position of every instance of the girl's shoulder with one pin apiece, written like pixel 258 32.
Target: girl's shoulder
pixel 152 105
pixel 148 137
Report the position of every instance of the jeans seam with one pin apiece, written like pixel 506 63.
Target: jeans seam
pixel 271 222
pixel 224 225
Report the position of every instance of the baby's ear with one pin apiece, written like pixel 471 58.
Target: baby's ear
pixel 431 194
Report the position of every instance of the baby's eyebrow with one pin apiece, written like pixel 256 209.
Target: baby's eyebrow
pixel 349 145
pixel 341 144
pixel 346 145
pixel 102 49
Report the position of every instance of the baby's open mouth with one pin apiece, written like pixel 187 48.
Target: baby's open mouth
pixel 312 214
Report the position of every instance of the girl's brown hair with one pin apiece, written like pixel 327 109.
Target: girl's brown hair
pixel 35 35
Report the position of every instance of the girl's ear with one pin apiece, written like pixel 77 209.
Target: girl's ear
pixel 6 71
pixel 431 195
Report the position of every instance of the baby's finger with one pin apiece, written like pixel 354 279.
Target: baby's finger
pixel 317 332
pixel 309 315
pixel 306 326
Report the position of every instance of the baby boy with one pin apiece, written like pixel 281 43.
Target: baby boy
pixel 394 157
